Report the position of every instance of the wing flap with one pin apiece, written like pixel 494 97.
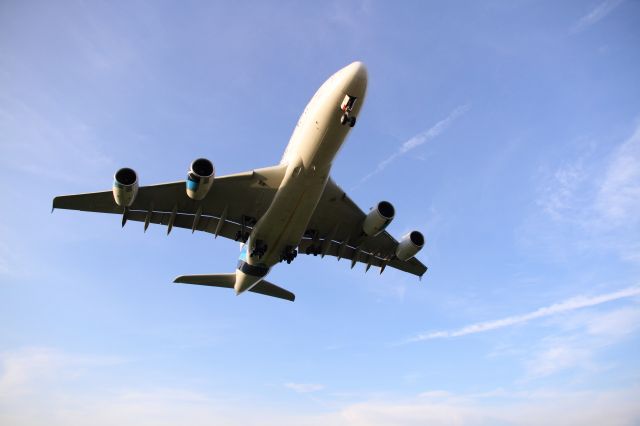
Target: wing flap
pixel 207 224
pixel 367 257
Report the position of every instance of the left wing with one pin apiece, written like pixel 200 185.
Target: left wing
pixel 232 206
pixel 338 222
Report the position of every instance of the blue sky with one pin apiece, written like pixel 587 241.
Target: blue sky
pixel 508 132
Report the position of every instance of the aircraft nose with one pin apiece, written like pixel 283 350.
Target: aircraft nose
pixel 356 70
pixel 354 79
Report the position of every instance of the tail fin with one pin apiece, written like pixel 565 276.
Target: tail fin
pixel 228 280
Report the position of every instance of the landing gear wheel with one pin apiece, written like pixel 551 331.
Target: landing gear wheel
pixel 352 121
pixel 289 254
pixel 344 119
pixel 259 250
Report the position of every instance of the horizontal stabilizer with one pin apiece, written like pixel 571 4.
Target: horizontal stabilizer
pixel 268 289
pixel 214 280
pixel 228 280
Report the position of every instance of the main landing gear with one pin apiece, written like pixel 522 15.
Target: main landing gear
pixel 259 250
pixel 289 254
pixel 347 106
pixel 242 236
pixel 314 250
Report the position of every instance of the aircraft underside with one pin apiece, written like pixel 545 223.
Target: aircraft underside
pixel 277 212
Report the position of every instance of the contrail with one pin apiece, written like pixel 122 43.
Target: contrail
pixel 420 139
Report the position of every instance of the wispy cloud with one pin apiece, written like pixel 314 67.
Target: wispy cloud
pixel 582 338
pixel 615 324
pixel 304 387
pixel 613 407
pixel 619 196
pixel 560 197
pixel 27 370
pixel 556 357
pixel 71 404
pixel 593 201
pixel 419 139
pixel 574 303
pixel 596 14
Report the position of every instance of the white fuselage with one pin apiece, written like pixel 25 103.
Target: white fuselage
pixel 314 144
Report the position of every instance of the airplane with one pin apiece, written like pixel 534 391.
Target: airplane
pixel 274 212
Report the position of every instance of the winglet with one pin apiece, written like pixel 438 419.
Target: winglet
pixel 425 271
pixel 53 204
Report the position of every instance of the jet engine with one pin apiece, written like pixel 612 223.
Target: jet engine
pixel 378 218
pixel 409 245
pixel 125 186
pixel 200 178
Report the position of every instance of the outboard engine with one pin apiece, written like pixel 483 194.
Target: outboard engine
pixel 409 245
pixel 125 187
pixel 378 219
pixel 200 178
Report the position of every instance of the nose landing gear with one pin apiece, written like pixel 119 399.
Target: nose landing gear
pixel 346 107
pixel 345 119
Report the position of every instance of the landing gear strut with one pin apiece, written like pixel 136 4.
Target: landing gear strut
pixel 243 233
pixel 242 236
pixel 314 250
pixel 345 119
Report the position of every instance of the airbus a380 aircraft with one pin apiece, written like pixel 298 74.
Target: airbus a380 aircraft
pixel 278 211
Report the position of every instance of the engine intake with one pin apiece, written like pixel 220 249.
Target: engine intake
pixel 200 178
pixel 378 219
pixel 410 245
pixel 125 186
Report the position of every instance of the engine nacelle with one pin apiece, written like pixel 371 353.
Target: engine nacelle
pixel 125 186
pixel 200 178
pixel 378 218
pixel 410 245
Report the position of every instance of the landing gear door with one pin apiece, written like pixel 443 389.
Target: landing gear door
pixel 347 103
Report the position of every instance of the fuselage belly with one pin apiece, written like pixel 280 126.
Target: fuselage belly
pixel 315 141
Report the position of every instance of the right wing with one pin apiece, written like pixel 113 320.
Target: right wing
pixel 338 221
pixel 232 206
